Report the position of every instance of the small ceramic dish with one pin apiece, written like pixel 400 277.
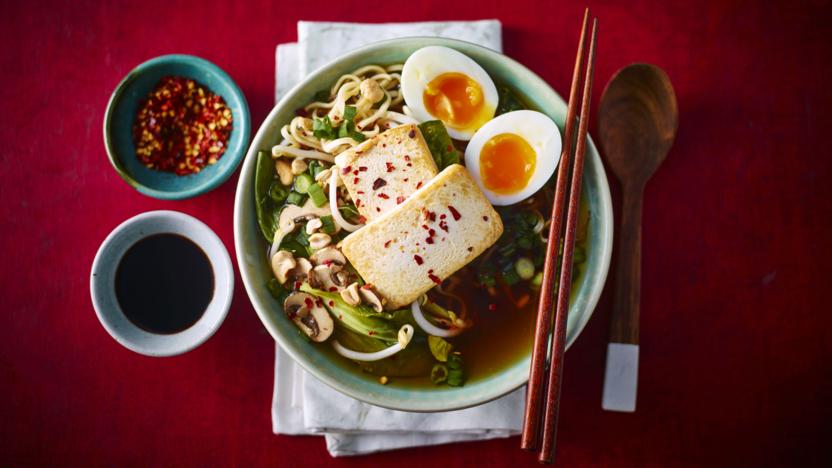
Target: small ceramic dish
pixel 256 272
pixel 102 283
pixel 121 112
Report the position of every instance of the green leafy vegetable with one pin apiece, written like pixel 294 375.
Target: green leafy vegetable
pixel 321 96
pixel 439 348
pixel 347 128
pixel 277 291
pixel 278 193
pixel 268 212
pixel 508 101
pixel 360 319
pixel 439 142
pixel 296 198
pixel 456 375
pixel 328 226
pixel 439 373
pixel 322 128
pixel 292 245
pixel 348 211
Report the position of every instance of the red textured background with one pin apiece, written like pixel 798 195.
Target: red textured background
pixel 736 351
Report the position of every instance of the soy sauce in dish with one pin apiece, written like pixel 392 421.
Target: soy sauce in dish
pixel 164 283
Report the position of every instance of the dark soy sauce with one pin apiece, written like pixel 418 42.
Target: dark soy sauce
pixel 164 283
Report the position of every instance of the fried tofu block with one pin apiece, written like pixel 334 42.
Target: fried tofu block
pixel 382 172
pixel 439 229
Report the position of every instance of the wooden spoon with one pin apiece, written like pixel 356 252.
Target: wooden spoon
pixel 638 119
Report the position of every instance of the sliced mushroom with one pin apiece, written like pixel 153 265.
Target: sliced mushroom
pixel 326 277
pixel 293 214
pixel 328 255
pixel 282 263
pixel 311 318
pixel 350 295
pixel 319 240
pixel 299 166
pixel 301 271
pixel 284 171
pixel 371 298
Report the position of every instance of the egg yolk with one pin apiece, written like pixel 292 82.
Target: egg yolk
pixel 457 100
pixel 507 163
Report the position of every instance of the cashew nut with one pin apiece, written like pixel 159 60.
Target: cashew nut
pixel 371 91
pixel 319 240
pixel 298 166
pixel 284 171
pixel 313 225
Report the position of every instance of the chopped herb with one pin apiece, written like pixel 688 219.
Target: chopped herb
pixel 347 128
pixel 315 168
pixel 328 225
pixel 322 128
pixel 508 101
pixel 439 142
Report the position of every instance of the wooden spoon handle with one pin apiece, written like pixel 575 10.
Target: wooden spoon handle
pixel 624 325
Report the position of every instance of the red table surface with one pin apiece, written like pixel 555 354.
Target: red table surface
pixel 735 320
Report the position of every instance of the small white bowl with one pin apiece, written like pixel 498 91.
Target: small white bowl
pixel 102 283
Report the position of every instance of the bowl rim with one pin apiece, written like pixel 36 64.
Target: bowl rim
pixel 605 247
pixel 209 183
pixel 102 278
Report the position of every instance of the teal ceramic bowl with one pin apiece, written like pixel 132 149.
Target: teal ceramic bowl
pixel 121 112
pixel 255 270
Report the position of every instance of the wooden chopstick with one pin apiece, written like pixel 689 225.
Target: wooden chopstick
pixel 550 420
pixel 535 390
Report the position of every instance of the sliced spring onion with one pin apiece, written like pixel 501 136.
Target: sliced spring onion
pixel 405 335
pixel 428 327
pixel 525 268
pixel 303 182
pixel 316 193
pixel 333 205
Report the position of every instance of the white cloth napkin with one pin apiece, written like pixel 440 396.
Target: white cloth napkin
pixel 304 405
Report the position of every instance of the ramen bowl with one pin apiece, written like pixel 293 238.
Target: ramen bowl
pixel 337 373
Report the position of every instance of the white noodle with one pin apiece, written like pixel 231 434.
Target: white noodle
pixel 333 205
pixel 428 327
pixel 405 335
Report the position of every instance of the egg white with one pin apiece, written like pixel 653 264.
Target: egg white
pixel 429 62
pixel 539 131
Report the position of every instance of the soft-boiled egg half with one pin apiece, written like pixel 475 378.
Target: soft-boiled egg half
pixel 441 83
pixel 512 156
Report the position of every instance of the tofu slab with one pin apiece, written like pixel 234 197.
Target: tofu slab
pixel 382 172
pixel 439 229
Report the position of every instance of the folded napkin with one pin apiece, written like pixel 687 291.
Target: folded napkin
pixel 304 405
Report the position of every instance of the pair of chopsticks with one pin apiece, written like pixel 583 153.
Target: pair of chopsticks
pixel 536 407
